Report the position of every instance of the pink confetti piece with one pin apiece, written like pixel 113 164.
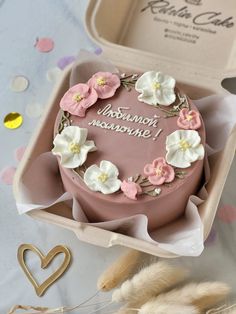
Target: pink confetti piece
pixel 19 152
pixel 7 175
pixel 227 213
pixel 44 44
pixel 64 61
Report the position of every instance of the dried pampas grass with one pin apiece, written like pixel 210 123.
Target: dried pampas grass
pixel 201 295
pixel 126 310
pixel 39 309
pixel 167 308
pixel 224 309
pixel 160 308
pixel 120 270
pixel 148 283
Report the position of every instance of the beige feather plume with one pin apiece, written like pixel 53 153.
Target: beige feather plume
pixel 167 308
pixel 201 295
pixel 160 308
pixel 126 310
pixel 120 270
pixel 223 309
pixel 149 282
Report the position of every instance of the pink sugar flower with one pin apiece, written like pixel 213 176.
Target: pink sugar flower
pixel 189 119
pixel 105 84
pixel 159 172
pixel 78 98
pixel 131 189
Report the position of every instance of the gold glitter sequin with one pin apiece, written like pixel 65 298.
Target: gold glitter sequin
pixel 13 120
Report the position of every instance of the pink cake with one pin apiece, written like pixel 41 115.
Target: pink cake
pixel 128 145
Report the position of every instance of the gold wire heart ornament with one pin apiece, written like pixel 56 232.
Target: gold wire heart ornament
pixel 45 262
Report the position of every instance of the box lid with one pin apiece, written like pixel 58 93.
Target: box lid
pixel 193 40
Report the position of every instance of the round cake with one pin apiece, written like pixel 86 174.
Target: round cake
pixel 130 144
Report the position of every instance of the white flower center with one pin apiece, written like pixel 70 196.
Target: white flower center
pixel 184 145
pixel 74 148
pixel 77 97
pixel 156 85
pixel 103 177
pixel 101 81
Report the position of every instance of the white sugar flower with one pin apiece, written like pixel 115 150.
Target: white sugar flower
pixel 183 147
pixel 72 147
pixel 103 178
pixel 156 88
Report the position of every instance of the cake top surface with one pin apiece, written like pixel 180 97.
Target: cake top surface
pixel 136 134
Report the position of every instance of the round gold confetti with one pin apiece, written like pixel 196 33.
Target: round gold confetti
pixel 13 120
pixel 19 83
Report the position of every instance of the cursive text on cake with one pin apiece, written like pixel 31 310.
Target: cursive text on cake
pixel 120 115
pixel 121 128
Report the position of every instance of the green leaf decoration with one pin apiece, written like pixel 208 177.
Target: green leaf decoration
pixel 155 192
pixel 128 81
pixel 180 174
pixel 65 121
pixel 174 111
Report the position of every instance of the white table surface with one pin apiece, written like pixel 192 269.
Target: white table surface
pixel 21 22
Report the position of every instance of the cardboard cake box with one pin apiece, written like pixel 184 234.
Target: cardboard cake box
pixel 192 40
